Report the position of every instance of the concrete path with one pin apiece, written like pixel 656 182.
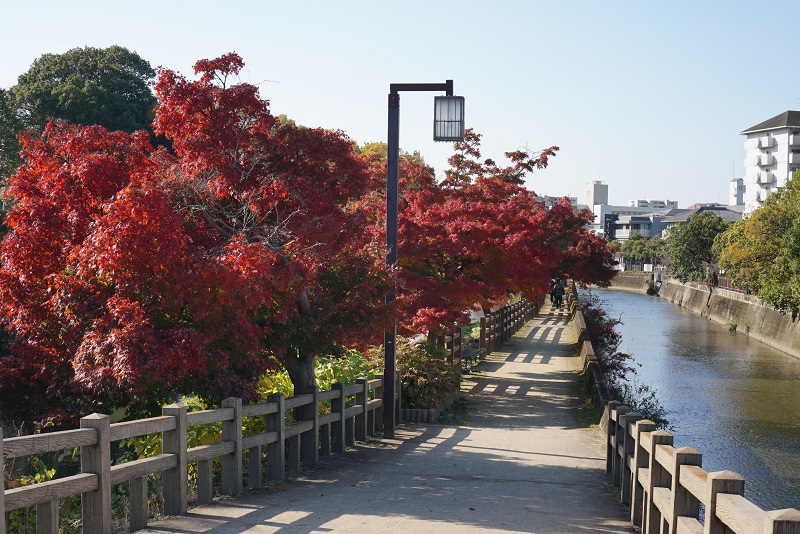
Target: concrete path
pixel 520 463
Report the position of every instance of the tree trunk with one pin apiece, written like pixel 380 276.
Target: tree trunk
pixel 301 366
pixel 301 373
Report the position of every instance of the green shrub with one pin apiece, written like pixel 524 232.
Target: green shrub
pixel 328 370
pixel 426 379
pixel 471 334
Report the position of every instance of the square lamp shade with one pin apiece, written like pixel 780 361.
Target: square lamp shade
pixel 448 118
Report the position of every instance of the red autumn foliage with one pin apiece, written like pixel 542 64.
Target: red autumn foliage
pixel 242 177
pixel 108 299
pixel 479 237
pixel 131 275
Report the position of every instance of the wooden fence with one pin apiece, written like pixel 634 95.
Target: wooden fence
pixel 356 412
pixel 666 486
pixel 496 327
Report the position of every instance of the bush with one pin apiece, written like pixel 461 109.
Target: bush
pixel 328 370
pixel 642 398
pixel 471 335
pixel 426 379
pixel 616 365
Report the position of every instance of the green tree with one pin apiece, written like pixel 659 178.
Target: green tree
pixel 762 252
pixel 9 146
pixel 640 249
pixel 690 246
pixel 105 86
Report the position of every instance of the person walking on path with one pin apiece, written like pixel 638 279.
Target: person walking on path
pixel 558 293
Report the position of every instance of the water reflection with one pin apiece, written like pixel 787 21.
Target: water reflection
pixel 734 398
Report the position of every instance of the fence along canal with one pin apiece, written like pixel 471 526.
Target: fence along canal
pixel 665 486
pixel 356 413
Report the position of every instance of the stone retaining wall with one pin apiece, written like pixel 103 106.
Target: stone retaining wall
pixel 744 313
pixel 632 281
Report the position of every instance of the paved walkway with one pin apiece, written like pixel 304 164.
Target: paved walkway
pixel 520 463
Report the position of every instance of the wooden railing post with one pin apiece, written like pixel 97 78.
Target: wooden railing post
pixel 611 431
pixel 205 481
pixel 338 427
pixel 138 507
pixel 683 502
pixel 96 459
pixel 503 324
pixel 47 517
pixel 175 479
pixel 640 461
pixel 276 451
pixel 254 467
pixel 628 449
pixel 309 441
pixel 659 477
pixel 782 521
pixel 617 439
pixel 482 338
pixel 495 331
pixel 232 463
pixel 720 482
pixel 378 416
pixel 362 398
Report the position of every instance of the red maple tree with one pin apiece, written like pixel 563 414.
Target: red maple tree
pixel 132 275
pixel 479 237
pixel 274 190
pixel 106 295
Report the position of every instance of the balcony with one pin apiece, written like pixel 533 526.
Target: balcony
pixel 794 158
pixel 766 142
pixel 765 160
pixel 765 178
pixel 794 139
pixel 622 235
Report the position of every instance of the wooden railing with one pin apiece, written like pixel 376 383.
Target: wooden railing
pixel 497 326
pixel 308 437
pixel 664 486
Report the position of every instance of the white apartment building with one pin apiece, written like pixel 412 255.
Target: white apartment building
pixel 651 203
pixel 771 155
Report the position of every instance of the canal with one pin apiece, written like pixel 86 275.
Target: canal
pixel 732 397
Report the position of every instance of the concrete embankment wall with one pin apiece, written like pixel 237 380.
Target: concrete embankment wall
pixel 747 314
pixel 631 281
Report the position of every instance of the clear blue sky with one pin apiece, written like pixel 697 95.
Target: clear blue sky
pixel 647 96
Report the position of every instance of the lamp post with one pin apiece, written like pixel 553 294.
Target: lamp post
pixel 448 125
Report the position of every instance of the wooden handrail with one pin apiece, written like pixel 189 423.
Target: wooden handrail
pixel 96 435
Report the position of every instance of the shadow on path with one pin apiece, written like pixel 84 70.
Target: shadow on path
pixel 520 463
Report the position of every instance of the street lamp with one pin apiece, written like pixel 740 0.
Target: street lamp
pixel 448 125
